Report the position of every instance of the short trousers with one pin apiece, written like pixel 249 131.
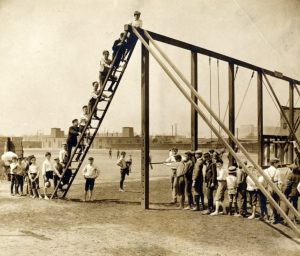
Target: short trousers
pixel 220 194
pixel 232 198
pixel 34 184
pixel 49 175
pixel 89 184
pixel 253 197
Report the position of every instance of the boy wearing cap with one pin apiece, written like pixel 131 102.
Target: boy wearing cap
pixel 211 181
pixel 221 178
pixel 198 181
pixel 231 182
pixel 188 170
pixel 273 175
pixel 90 173
pixel 136 22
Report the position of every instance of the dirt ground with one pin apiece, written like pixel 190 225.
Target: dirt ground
pixel 115 224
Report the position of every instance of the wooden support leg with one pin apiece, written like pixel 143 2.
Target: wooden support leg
pixel 231 99
pixel 194 114
pixel 145 128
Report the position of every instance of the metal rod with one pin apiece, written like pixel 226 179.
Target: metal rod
pixel 231 151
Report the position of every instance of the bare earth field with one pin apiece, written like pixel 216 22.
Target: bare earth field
pixel 115 224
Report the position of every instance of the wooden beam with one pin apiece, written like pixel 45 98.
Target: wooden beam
pixel 291 120
pixel 231 99
pixel 194 114
pixel 145 127
pixel 260 120
pixel 200 50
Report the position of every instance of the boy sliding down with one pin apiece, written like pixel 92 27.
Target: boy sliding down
pixel 90 173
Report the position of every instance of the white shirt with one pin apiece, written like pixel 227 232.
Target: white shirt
pixel 170 160
pixel 273 174
pixel 231 182
pixel 136 23
pixel 47 166
pixel 250 184
pixel 33 169
pixel 83 119
pixel 61 156
pixel 104 64
pixel 90 171
pixel 13 167
pixel 221 174
pixel 122 163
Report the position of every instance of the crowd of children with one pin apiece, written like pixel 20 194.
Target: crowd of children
pixel 195 173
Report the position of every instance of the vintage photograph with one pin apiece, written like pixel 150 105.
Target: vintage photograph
pixel 150 127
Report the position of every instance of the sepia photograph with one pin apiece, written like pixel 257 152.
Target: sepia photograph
pixel 150 127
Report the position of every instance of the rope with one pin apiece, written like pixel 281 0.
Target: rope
pixel 244 97
pixel 219 107
pixel 210 118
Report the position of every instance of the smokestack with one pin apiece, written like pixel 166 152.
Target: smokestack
pixel 175 129
pixel 172 131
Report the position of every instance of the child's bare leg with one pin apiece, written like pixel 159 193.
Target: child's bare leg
pixel 91 195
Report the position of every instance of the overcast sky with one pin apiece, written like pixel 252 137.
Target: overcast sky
pixel 50 53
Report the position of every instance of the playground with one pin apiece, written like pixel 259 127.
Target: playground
pixel 197 87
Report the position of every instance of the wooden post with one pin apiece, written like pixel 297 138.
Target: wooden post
pixel 145 127
pixel 291 119
pixel 194 114
pixel 231 100
pixel 268 151
pixel 260 121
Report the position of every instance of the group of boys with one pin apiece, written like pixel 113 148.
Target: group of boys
pixel 196 173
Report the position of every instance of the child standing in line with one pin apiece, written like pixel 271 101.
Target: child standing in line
pixel 13 178
pixel 47 172
pixel 34 174
pixel 220 194
pixel 20 173
pixel 180 180
pixel 231 181
pixel 90 173
pixel 252 190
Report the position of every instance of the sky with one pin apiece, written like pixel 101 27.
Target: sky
pixel 50 52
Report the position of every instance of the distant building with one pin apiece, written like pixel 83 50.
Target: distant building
pixel 284 126
pixel 128 132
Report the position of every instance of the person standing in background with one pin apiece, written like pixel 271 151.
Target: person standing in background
pixel 198 181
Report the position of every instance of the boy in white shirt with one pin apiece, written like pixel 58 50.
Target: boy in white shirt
pixel 136 22
pixel 34 174
pixel 47 172
pixel 252 190
pixel 90 173
pixel 221 178
pixel 124 170
pixel 231 181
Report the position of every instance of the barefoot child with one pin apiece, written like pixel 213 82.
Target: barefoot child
pixel 90 173
pixel 231 181
pixel 252 191
pixel 34 174
pixel 220 194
